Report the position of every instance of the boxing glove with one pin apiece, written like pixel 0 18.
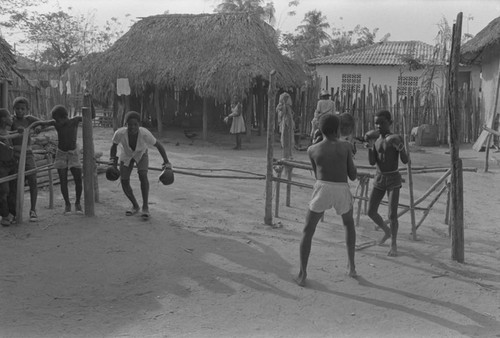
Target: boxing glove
pixel 317 136
pixel 372 135
pixel 396 141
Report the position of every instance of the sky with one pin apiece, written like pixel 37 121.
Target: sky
pixel 403 19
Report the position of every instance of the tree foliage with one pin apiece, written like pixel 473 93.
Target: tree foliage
pixel 61 38
pixel 264 11
pixel 311 39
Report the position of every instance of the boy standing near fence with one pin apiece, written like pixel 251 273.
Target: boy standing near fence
pixel 20 121
pixel 68 154
pixel 385 152
pixel 8 166
pixel 331 160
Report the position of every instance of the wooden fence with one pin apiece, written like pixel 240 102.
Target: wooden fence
pixel 370 99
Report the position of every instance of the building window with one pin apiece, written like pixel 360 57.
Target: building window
pixel 407 85
pixel 351 83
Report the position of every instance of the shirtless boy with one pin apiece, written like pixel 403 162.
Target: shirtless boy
pixel 68 154
pixel 385 153
pixel 332 163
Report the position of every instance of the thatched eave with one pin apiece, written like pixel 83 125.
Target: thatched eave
pixel 488 37
pixel 7 59
pixel 217 55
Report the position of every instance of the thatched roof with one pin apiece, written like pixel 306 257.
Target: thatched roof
pixel 6 59
pixel 489 36
pixel 217 55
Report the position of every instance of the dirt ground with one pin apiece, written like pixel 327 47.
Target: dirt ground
pixel 205 265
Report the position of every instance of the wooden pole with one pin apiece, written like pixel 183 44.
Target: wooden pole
pixel 205 119
pixel 268 217
pixel 410 177
pixel 88 158
pixel 457 199
pixel 21 171
pixel 51 182
pixel 158 110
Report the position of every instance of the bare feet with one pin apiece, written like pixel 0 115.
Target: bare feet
pixel 352 273
pixel 394 251
pixel 385 238
pixel 301 279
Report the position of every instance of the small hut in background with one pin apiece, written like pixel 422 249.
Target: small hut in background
pixel 7 60
pixel 183 69
pixel 484 50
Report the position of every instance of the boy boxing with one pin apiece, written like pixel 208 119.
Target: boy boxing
pixel 68 154
pixel 331 160
pixel 20 121
pixel 134 141
pixel 385 152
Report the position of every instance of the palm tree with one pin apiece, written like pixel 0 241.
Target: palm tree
pixel 264 11
pixel 312 32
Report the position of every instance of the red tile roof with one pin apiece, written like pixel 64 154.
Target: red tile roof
pixel 388 53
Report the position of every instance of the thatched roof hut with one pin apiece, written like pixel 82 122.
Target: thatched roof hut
pixel 216 55
pixel 6 59
pixel 487 38
pixel 484 50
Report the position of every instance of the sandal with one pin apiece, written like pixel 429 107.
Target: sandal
pixel 131 212
pixel 145 215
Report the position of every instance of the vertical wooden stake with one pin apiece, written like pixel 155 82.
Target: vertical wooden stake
pixel 205 119
pixel 268 217
pixel 457 198
pixel 20 176
pixel 88 158
pixel 410 177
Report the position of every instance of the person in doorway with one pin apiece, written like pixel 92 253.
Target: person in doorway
pixel 385 152
pixel 238 123
pixel 331 160
pixel 134 141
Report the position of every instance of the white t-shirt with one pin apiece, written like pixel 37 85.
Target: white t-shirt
pixel 144 140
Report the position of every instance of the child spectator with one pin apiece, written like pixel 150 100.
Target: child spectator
pixel 385 152
pixel 8 166
pixel 20 121
pixel 331 160
pixel 134 141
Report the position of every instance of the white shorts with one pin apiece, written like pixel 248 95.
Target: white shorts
pixel 327 195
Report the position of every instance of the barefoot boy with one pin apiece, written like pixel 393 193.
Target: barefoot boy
pixel 332 163
pixel 20 121
pixel 385 153
pixel 68 154
pixel 134 141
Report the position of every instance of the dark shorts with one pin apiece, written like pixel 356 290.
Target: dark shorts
pixel 387 181
pixel 142 166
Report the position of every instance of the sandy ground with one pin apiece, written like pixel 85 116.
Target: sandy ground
pixel 205 265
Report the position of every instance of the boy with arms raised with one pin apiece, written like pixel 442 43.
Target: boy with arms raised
pixel 68 154
pixel 385 152
pixel 331 160
pixel 20 121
